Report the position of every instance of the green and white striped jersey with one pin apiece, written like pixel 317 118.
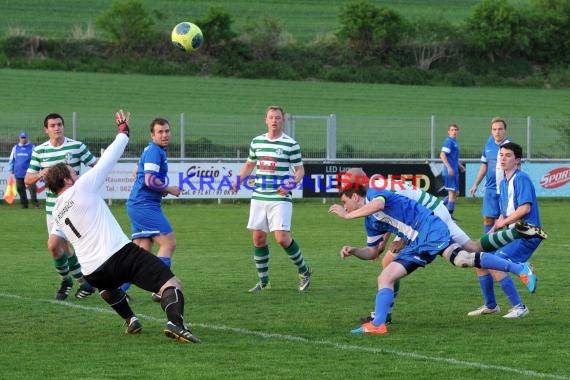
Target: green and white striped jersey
pixel 275 159
pixel 46 155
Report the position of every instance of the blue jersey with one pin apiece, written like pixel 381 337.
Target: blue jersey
pixel 490 157
pixel 20 158
pixel 154 161
pixel 517 191
pixel 451 149
pixel 401 216
pixel 425 234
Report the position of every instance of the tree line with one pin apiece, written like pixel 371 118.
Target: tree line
pixel 498 44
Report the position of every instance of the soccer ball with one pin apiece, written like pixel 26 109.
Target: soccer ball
pixel 187 37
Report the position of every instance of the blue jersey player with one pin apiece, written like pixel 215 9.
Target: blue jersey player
pixel 148 222
pixel 517 202
pixel 492 172
pixel 426 237
pixel 449 155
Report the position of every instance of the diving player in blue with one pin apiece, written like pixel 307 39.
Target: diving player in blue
pixel 426 237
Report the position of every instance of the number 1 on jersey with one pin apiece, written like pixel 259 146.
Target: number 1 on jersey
pixel 68 222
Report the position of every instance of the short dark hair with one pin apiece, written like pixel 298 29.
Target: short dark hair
pixel 53 116
pixel 354 188
pixel 159 121
pixel 516 148
pixel 56 176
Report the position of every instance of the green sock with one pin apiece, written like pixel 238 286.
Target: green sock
pixel 62 266
pixel 294 253
pixel 75 268
pixel 496 240
pixel 261 258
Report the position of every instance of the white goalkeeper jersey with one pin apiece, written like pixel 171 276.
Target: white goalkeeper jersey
pixel 82 214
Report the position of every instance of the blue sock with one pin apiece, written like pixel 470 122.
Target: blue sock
pixel 508 286
pixel 384 299
pixel 486 284
pixel 125 286
pixel 445 200
pixel 166 260
pixel 487 227
pixel 451 207
pixel 490 261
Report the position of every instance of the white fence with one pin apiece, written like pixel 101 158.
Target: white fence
pixel 322 137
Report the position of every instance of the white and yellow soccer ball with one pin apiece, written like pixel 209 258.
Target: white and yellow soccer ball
pixel 187 37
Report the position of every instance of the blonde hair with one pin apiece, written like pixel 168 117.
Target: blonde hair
pixel 497 119
pixel 275 108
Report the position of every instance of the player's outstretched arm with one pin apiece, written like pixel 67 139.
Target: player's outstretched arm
pixel 94 178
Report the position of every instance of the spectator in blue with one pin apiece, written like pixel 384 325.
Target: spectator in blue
pixel 20 157
pixel 451 166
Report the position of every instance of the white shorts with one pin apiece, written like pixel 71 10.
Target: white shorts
pixel 457 234
pixel 270 216
pixel 52 227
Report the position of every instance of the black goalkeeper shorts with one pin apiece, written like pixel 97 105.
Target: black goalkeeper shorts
pixel 131 264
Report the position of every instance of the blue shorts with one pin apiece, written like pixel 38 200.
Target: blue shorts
pixel 520 250
pixel 490 204
pixel 431 241
pixel 148 221
pixel 451 183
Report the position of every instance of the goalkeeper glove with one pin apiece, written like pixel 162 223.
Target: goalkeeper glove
pixel 122 119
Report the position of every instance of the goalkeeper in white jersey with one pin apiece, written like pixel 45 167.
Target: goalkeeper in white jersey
pixel 106 254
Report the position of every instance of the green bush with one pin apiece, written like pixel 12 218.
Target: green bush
pixel 128 23
pixel 219 37
pixel 368 29
pixel 461 78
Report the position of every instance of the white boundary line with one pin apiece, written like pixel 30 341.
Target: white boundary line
pixel 293 338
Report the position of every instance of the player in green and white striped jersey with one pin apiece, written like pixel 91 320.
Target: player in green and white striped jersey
pixel 60 149
pixel 274 155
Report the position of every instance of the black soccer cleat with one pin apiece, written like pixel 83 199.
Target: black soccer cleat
pixel 528 230
pixel 180 333
pixel 84 291
pixel 134 326
pixel 64 289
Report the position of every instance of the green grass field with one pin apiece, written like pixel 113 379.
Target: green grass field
pixel 281 333
pixel 303 20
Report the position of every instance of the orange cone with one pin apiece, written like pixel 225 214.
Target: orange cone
pixel 10 192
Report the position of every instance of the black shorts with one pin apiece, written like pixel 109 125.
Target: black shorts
pixel 131 264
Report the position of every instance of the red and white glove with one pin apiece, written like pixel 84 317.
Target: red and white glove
pixel 122 121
